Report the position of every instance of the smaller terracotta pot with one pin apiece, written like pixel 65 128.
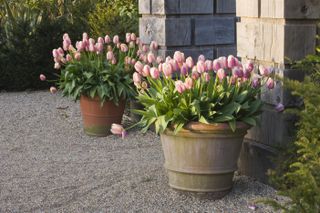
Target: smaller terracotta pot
pixel 97 119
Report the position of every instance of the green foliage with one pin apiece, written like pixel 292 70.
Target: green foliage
pixel 114 17
pixel 206 102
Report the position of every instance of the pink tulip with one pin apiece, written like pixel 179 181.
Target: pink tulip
pixel 201 66
pixel 127 60
pixel 233 80
pixel 43 77
pixel 79 46
pixel 232 62
pixel 77 56
pixel 92 41
pixel 209 65
pixel 184 69
pixel 154 45
pixel 92 47
pixel 66 36
pixel 151 58
pixel 246 73
pixel 154 72
pixel 57 66
pixel 179 57
pixel 139 67
pixel 146 71
pixel 216 65
pixel 255 82
pixel 85 36
pixel 223 62
pixel 63 60
pixel 189 62
pixel 117 129
pixel 53 90
pixel 114 61
pixel 133 37
pixel 132 44
pixel 265 71
pixel 133 61
pixel 159 59
pixel 55 53
pixel 60 51
pixel 116 39
pixel 66 44
pixel 250 66
pixel 175 65
pixel 107 39
pixel 136 78
pixel 124 48
pixel 128 37
pixel 145 48
pixel 110 55
pixel 68 58
pixel 237 72
pixel 270 83
pixel 168 59
pixel 201 58
pixel 206 77
pixel 221 74
pixel 188 83
pixel 180 86
pixel 195 75
pixel 101 40
pixel 160 67
pixel 167 69
pixel 280 107
pixel 99 47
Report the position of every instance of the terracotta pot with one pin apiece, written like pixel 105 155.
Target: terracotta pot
pixel 97 119
pixel 203 158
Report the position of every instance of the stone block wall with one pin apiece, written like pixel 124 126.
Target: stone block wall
pixel 194 27
pixel 273 32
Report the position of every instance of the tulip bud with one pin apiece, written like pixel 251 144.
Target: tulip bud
pixel 61 52
pixel 66 44
pixel 110 55
pixel 107 39
pixel 250 66
pixel 209 65
pixel 221 74
pixel 188 83
pixel 154 45
pixel 85 36
pixel 280 107
pixel 124 48
pixel 265 71
pixel 159 59
pixel 201 58
pixel 223 62
pixel 99 47
pixel 53 90
pixel 117 129
pixel 55 53
pixel 92 47
pixel 160 67
pixel 154 72
pixel 179 85
pixel 136 78
pixel 146 70
pixel 68 58
pixel 195 75
pixel 43 77
pixel 128 37
pixel 237 72
pixel 175 65
pixel 145 48
pixel 116 39
pixel 151 58
pixel 133 37
pixel 77 56
pixel 132 44
pixel 231 62
pixel 184 69
pixel 206 77
pixel 167 69
pixel 139 67
pixel 255 82
pixel 270 83
pixel 92 41
pixel 133 61
pixel 57 66
pixel 190 62
pixel 216 65
pixel 179 57
pixel 201 67
pixel 114 61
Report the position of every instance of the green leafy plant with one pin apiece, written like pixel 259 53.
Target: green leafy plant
pixel 219 91
pixel 100 69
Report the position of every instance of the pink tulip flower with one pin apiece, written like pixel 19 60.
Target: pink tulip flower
pixel 280 107
pixel 77 56
pixel 232 62
pixel 116 39
pixel 184 69
pixel 124 48
pixel 221 74
pixel 92 41
pixel 201 66
pixel 168 59
pixel 117 129
pixel 180 86
pixel 175 65
pixel 68 58
pixel 55 53
pixel 167 69
pixel 154 72
pixel 92 47
pixel 264 71
pixel 133 61
pixel 57 66
pixel 99 48
pixel 139 67
pixel 237 72
pixel 53 90
pixel 136 78
pixel 101 40
pixel 133 37
pixel 189 62
pixel 107 39
pixel 145 48
pixel 206 77
pixel 66 44
pixel 66 36
pixel 201 58
pixel 223 62
pixel 146 71
pixel 154 46
pixel 60 51
pixel 160 67
pixel 216 65
pixel 188 83
pixel 250 66
pixel 255 82
pixel 114 61
pixel 110 55
pixel 179 57
pixel 80 46
pixel 128 37
pixel 43 77
pixel 85 36
pixel 195 75
pixel 209 65
pixel 270 83
pixel 160 59
pixel 151 58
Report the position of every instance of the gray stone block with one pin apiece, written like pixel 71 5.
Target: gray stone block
pixel 215 30
pixel 226 51
pixel 178 32
pixel 152 29
pixel 170 7
pixel 226 6
pixel 144 6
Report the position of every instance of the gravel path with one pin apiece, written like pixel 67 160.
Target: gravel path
pixel 47 164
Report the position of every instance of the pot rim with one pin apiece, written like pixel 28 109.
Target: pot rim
pixel 97 99
pixel 198 126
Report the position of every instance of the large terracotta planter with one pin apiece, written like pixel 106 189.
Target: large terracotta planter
pixel 203 158
pixel 97 119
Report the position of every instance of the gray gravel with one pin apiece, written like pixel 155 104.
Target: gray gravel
pixel 47 164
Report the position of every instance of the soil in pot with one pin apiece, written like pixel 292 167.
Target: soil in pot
pixel 97 118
